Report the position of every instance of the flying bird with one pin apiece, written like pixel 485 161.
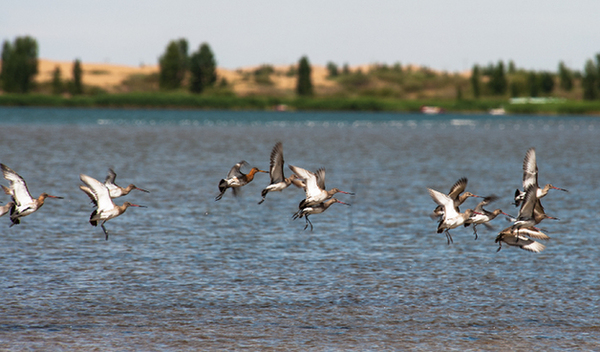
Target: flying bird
pixel 278 181
pixel 24 204
pixel 530 178
pixel 315 209
pixel 314 186
pixel 235 179
pixel 106 208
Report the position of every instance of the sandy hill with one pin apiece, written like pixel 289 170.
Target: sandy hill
pixel 109 76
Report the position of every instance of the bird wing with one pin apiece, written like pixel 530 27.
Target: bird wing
pixel 458 188
pixel 310 180
pixel 445 201
pixel 235 170
pixel 111 177
pixel 529 203
pixel 487 200
pixel 90 194
pixel 100 191
pixel 18 187
pixel 276 169
pixel 321 178
pixel 533 233
pixel 530 169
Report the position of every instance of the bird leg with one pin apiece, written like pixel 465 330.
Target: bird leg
pixel 308 222
pixel 475 230
pixel 449 237
pixel 499 246
pixel 104 229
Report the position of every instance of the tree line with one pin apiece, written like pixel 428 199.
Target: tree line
pixel 196 72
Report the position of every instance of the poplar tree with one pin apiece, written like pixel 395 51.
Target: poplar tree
pixel 173 65
pixel 475 82
pixel 565 77
pixel 304 85
pixel 77 87
pixel 57 84
pixel 19 65
pixel 203 69
pixel 589 81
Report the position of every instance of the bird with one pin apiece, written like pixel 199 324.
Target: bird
pixel 531 212
pixel 530 178
pixel 452 218
pixel 483 216
pixel 235 179
pixel 106 208
pixel 314 186
pixel 457 195
pixel 278 181
pixel 24 204
pixel 6 208
pixel 521 238
pixel 315 209
pixel 115 191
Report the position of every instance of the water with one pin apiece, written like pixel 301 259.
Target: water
pixel 189 273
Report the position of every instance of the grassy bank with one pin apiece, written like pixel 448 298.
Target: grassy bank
pixel 229 102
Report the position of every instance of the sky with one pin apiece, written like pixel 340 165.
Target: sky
pixel 440 34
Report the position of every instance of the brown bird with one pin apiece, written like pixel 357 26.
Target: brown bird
pixel 530 178
pixel 278 181
pixel 315 209
pixel 451 218
pixel 314 186
pixel 483 216
pixel 235 179
pixel 456 196
pixel 521 238
pixel 106 208
pixel 24 204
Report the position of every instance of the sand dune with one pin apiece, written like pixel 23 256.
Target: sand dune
pixel 108 76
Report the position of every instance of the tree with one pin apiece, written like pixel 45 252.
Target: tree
pixel 19 65
pixel 533 84
pixel 304 86
pixel 77 87
pixel 546 82
pixel 565 77
pixel 203 69
pixel 333 70
pixel 498 83
pixel 588 82
pixel 173 65
pixel 475 82
pixel 57 84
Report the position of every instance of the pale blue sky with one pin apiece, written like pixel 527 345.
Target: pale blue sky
pixel 440 34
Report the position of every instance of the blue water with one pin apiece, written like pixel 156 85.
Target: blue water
pixel 189 273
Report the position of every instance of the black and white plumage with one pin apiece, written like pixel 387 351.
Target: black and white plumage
pixel 278 180
pixel 530 178
pixel 315 209
pixel 235 179
pixel 451 218
pixel 314 186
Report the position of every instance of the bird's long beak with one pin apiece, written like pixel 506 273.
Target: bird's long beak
pixel 560 189
pixel 266 172
pixel 49 196
pixel 140 189
pixel 137 205
pixel 350 193
pixel 339 201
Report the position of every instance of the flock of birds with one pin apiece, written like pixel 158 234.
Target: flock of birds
pixel 523 231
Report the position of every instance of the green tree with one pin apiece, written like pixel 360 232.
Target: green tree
pixel 304 86
pixel 475 82
pixel 546 82
pixel 173 65
pixel 77 86
pixel 589 81
pixel 333 70
pixel 498 83
pixel 565 77
pixel 203 69
pixel 533 84
pixel 19 65
pixel 57 83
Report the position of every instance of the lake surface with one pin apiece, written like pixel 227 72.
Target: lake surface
pixel 189 273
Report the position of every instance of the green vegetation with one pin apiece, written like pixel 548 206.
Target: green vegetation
pixel 191 82
pixel 19 65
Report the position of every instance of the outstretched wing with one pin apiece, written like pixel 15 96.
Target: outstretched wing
pixel 100 191
pixel 458 188
pixel 530 169
pixel 18 187
pixel 235 170
pixel 276 168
